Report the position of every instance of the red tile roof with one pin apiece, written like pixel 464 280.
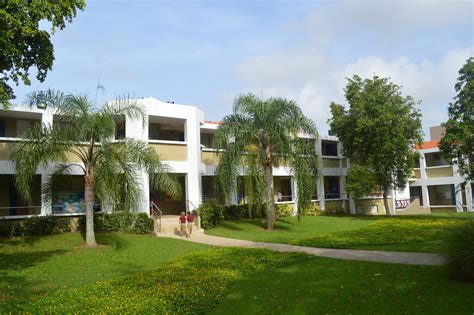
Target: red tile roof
pixel 428 145
pixel 212 122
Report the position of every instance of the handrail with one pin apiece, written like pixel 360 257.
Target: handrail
pixel 198 219
pixel 154 206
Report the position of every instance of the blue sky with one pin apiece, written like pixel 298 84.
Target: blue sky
pixel 204 53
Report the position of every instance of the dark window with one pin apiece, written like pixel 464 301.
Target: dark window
pixel 434 159
pixel 329 148
pixel 332 189
pixel 2 128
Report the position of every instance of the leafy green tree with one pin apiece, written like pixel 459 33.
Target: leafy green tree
pixel 379 131
pixel 110 167
pixel 457 144
pixel 24 44
pixel 258 135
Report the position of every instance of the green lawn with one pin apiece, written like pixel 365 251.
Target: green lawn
pixel 33 266
pixel 141 274
pixel 416 234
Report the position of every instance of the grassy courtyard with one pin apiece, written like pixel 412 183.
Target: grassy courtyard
pixel 415 234
pixel 144 274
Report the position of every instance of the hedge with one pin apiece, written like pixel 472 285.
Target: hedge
pixel 131 222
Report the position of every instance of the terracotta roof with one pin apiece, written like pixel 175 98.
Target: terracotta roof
pixel 212 122
pixel 428 145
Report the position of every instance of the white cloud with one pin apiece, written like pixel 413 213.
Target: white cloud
pixel 411 42
pixel 314 84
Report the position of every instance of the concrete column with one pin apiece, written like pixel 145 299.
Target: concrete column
pixel 342 187
pixel 320 175
pixel 193 178
pixel 294 192
pixel 458 198
pixel 424 187
pixel 134 129
pixel 468 192
pixel 352 207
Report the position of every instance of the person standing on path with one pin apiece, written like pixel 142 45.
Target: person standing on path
pixel 182 224
pixel 190 219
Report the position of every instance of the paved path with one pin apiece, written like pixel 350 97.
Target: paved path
pixel 347 254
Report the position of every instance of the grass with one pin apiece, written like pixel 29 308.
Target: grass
pixel 34 266
pixel 233 280
pixel 412 234
pixel 325 286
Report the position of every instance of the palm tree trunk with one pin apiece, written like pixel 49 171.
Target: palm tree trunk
pixel 89 200
pixel 270 202
pixel 385 202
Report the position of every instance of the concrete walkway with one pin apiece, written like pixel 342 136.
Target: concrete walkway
pixel 347 254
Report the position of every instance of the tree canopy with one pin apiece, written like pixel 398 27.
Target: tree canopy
pixel 457 144
pixel 379 131
pixel 260 134
pixel 110 166
pixel 23 44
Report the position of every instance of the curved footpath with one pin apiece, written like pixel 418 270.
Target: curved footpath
pixel 347 254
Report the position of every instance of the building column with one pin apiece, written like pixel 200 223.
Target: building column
pixel 193 177
pixel 424 187
pixel 468 192
pixel 342 187
pixel 294 192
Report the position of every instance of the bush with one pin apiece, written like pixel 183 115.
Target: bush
pixel 143 224
pixel 312 211
pixel 211 215
pixel 246 211
pixel 120 221
pixel 284 210
pixel 460 252
pixel 41 225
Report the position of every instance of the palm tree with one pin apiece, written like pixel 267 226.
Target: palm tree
pixel 110 167
pixel 258 135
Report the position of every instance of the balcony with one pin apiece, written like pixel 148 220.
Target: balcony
pixel 13 124
pixel 439 171
pixel 171 151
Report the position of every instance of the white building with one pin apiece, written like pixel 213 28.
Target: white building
pixel 183 139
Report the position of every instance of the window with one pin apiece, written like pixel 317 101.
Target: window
pixel 206 139
pixel 207 191
pixel 332 189
pixel 120 131
pixel 434 159
pixel 2 128
pixel 329 148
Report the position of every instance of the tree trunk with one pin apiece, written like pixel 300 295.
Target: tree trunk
pixel 270 202
pixel 385 202
pixel 89 200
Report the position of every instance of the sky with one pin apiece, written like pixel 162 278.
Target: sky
pixel 205 53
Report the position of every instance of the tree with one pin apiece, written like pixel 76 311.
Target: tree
pixel 110 167
pixel 457 144
pixel 379 132
pixel 23 44
pixel 256 136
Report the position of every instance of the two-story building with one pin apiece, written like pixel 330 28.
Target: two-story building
pixel 183 139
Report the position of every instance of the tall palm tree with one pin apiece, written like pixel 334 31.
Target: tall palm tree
pixel 258 135
pixel 111 167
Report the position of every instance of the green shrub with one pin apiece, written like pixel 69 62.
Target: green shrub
pixel 460 252
pixel 312 211
pixel 143 224
pixel 120 221
pixel 246 211
pixel 211 215
pixel 284 210
pixel 34 226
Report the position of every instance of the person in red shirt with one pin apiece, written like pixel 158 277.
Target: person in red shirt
pixel 182 224
pixel 190 219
